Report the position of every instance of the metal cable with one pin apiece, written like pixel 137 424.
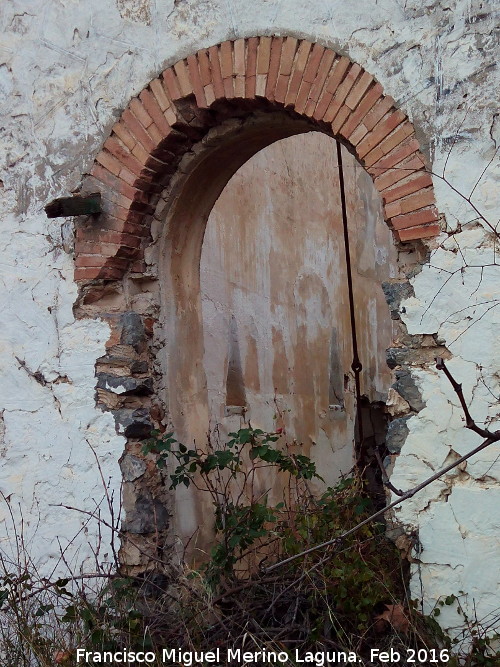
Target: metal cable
pixel 356 365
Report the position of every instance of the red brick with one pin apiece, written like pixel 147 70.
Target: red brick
pixel 90 273
pixel 405 149
pixel 287 55
pixel 109 162
pixel 369 99
pixel 226 59
pixel 302 96
pixel 415 182
pixel 130 178
pixel 356 94
pixel 251 67
pixel 209 94
pixel 160 94
pixel 394 139
pixel 263 55
pixel 105 177
pixel 411 203
pixel 378 112
pixel 171 84
pixel 313 63
pixel 138 266
pixel 274 64
pixel 239 57
pixel 418 232
pixel 126 226
pixel 226 67
pixel 115 237
pixel 116 198
pixel 394 174
pixel 183 78
pixel 298 67
pixel 194 74
pixel 340 118
pixel 154 110
pixel 213 54
pixel 140 113
pixel 379 132
pixel 228 87
pixel 322 104
pixel 96 261
pixel 138 131
pixel 119 151
pixel 337 74
pixel 318 83
pixel 124 156
pixel 124 135
pixel 140 154
pixel 286 63
pixel 420 217
pixel 205 69
pixel 341 93
pixel 239 86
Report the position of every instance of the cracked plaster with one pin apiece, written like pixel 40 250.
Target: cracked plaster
pixel 66 71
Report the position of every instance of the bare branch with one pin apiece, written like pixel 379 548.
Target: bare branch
pixel 405 496
pixel 457 386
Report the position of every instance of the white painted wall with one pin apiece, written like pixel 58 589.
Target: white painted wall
pixel 67 69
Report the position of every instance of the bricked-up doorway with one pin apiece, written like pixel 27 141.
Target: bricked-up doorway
pixel 160 172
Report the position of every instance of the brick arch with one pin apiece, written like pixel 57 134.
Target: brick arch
pixel 236 78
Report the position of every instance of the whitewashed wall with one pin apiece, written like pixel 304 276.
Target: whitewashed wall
pixel 67 69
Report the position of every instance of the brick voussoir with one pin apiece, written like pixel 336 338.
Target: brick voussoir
pixel 84 261
pixel 395 174
pixel 83 274
pixel 126 226
pixel 310 73
pixel 274 65
pixel 251 67
pixel 288 51
pixel 394 157
pixel 319 82
pixel 109 162
pixel 105 181
pixel 404 130
pixel 137 108
pixel 160 94
pixel 120 130
pixel 195 76
pixel 411 203
pixel 341 93
pixel 416 181
pixel 109 237
pixel 369 99
pixel 263 63
pixel 418 232
pixel 138 130
pixel 153 108
pixel 227 67
pixel 298 67
pixel 217 81
pixel 384 127
pixel 171 84
pixel 421 217
pixel 183 79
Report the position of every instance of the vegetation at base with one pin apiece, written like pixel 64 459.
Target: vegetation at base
pixel 350 596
